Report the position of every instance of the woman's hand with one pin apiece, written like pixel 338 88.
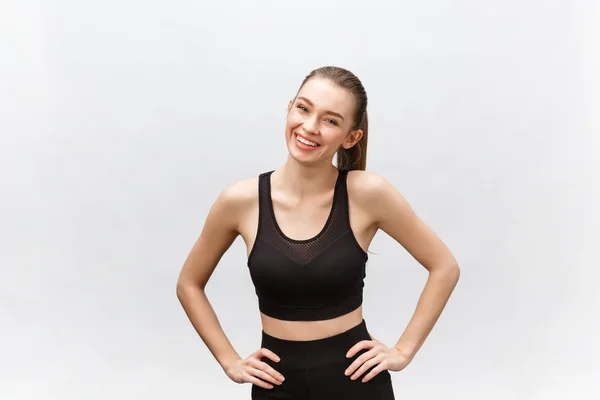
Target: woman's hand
pixel 255 371
pixel 378 355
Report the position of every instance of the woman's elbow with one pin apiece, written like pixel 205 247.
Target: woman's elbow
pixel 184 287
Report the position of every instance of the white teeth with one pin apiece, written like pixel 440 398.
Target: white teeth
pixel 302 140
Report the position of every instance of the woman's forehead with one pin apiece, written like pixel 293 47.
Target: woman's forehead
pixel 326 95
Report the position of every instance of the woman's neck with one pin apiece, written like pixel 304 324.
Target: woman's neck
pixel 305 181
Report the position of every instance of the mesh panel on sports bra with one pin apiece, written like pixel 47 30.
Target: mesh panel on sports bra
pixel 304 251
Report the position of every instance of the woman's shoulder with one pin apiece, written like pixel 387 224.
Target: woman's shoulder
pixel 240 193
pixel 379 199
pixel 234 202
pixel 367 186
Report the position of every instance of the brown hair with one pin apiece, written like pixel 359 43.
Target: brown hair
pixel 356 156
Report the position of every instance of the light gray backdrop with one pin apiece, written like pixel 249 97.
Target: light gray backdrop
pixel 122 121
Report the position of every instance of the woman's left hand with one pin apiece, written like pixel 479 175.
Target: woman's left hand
pixel 378 355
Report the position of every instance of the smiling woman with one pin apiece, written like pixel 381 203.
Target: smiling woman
pixel 307 227
pixel 325 96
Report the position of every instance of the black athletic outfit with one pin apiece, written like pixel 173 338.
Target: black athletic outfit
pixel 308 280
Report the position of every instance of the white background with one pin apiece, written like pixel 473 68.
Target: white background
pixel 121 121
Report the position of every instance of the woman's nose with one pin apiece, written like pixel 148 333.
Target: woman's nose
pixel 311 126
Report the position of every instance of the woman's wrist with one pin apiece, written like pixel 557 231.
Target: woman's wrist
pixel 404 351
pixel 226 363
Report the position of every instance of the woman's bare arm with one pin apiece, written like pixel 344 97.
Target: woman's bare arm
pixel 396 217
pixel 392 213
pixel 219 232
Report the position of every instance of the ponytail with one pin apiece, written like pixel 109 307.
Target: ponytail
pixel 355 158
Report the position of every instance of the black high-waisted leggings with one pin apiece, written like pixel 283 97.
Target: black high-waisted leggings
pixel 314 370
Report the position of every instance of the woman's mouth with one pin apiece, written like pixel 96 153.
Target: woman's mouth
pixel 304 143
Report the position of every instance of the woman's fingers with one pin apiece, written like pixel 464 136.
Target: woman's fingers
pixel 266 372
pixel 257 363
pixel 365 366
pixel 262 375
pixel 255 381
pixel 363 344
pixel 380 367
pixel 255 371
pixel 360 361
pixel 268 354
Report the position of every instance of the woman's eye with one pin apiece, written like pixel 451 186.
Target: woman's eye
pixel 332 121
pixel 302 107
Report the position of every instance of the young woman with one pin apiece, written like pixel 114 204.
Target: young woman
pixel 307 227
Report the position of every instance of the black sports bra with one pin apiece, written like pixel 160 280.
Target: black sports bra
pixel 305 280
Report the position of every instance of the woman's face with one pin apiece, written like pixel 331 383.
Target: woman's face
pixel 321 116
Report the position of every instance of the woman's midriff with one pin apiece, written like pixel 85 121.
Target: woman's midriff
pixel 310 330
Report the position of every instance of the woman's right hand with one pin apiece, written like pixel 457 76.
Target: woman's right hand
pixel 254 370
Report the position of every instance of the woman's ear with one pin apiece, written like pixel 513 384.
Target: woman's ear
pixel 290 104
pixel 352 139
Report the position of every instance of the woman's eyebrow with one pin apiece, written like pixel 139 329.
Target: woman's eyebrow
pixel 310 103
